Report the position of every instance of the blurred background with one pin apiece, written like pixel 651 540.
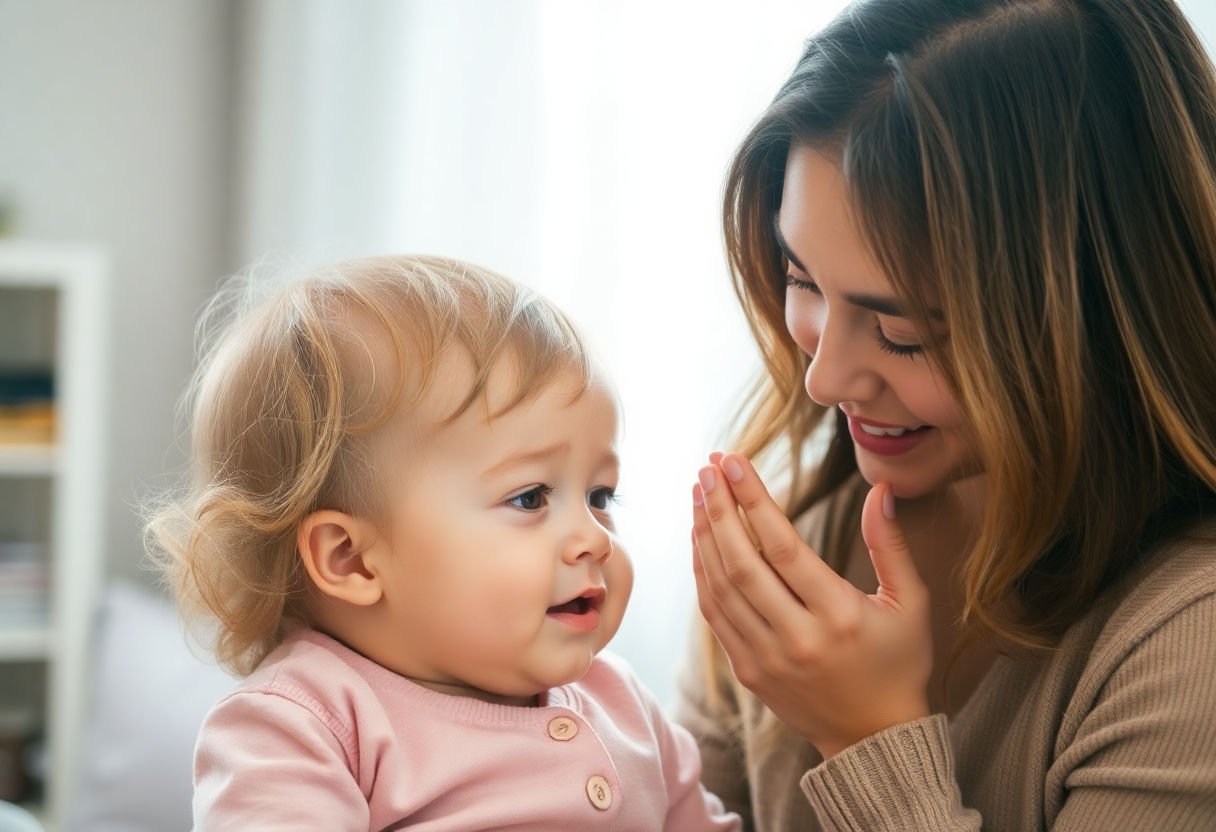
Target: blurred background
pixel 149 148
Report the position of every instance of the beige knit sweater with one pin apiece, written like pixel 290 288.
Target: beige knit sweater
pixel 1114 732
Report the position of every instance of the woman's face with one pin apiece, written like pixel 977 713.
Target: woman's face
pixel 866 355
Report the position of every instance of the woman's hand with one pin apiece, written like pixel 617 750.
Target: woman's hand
pixel 834 664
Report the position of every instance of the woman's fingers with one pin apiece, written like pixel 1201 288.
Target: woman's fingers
pixel 728 601
pixel 830 662
pixel 801 570
pixel 743 568
pixel 790 597
pixel 731 641
pixel 898 579
pixel 744 635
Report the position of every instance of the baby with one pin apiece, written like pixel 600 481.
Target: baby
pixel 400 519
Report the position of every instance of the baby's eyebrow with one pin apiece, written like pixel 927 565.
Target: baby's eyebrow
pixel 610 460
pixel 526 457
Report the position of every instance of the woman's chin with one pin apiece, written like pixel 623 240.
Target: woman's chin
pixel 910 483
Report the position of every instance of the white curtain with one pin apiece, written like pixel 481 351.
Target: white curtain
pixel 577 146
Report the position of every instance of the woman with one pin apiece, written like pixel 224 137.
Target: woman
pixel 981 235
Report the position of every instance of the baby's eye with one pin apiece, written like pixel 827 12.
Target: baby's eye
pixel 533 499
pixel 601 498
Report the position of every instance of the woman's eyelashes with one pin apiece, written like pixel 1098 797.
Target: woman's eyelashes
pixel 799 283
pixel 537 497
pixel 887 345
pixel 884 343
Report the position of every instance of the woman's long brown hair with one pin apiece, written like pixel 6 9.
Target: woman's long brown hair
pixel 1043 171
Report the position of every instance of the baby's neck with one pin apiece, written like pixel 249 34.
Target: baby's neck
pixel 450 689
pixel 349 636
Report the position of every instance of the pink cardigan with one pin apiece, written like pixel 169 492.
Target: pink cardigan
pixel 320 738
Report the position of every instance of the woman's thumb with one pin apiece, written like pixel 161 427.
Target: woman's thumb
pixel 889 552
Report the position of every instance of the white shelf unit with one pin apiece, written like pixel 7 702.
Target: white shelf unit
pixel 59 485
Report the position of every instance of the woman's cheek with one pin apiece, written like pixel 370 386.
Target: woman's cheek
pixel 930 399
pixel 803 325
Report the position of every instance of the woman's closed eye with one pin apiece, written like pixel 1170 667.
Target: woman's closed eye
pixel 895 347
pixel 801 283
pixel 886 343
pixel 534 499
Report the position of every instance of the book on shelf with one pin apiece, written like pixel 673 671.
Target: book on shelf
pixel 27 406
pixel 24 579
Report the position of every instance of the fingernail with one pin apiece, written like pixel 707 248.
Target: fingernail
pixel 888 503
pixel 707 479
pixel 734 471
pixel 697 499
pixel 714 456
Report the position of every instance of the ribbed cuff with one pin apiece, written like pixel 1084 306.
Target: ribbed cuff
pixel 898 780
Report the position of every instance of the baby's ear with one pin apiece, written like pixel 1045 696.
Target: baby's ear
pixel 333 546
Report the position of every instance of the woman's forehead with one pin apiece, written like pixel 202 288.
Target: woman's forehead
pixel 816 225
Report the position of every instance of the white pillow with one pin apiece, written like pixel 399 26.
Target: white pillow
pixel 15 819
pixel 150 695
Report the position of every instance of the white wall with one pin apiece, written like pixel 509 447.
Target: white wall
pixel 115 125
pixel 113 129
pixel 579 147
pixel 1202 14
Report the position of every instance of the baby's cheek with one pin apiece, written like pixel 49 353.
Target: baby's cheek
pixel 508 598
pixel 619 567
pixel 619 577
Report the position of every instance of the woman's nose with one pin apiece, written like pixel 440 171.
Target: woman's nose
pixel 839 370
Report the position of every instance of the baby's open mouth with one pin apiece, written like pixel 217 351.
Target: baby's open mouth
pixel 581 614
pixel 578 606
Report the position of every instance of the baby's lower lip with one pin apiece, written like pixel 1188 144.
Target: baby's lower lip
pixel 580 621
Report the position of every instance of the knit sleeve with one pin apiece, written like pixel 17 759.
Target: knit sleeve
pixel 898 780
pixel 714 722
pixel 1144 756
pixel 265 762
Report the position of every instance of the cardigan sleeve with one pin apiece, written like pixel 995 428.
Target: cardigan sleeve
pixel 690 805
pixel 266 762
pixel 715 725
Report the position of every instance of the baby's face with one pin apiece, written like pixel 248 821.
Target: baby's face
pixel 506 575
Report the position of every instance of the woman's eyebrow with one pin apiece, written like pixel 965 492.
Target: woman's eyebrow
pixel 783 245
pixel 881 304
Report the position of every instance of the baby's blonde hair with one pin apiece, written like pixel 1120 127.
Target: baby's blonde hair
pixel 286 396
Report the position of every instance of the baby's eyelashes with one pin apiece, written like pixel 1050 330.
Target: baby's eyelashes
pixel 537 498
pixel 534 499
pixel 603 499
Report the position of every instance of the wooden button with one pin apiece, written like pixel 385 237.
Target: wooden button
pixel 599 792
pixel 562 728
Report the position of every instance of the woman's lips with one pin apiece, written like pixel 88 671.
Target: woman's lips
pixel 885 445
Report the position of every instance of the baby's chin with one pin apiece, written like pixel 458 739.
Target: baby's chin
pixel 570 673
